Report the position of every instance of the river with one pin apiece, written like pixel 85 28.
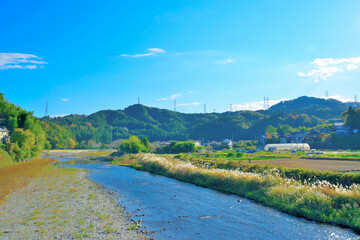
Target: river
pixel 172 209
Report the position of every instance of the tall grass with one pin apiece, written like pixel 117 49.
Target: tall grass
pixel 17 176
pixel 319 200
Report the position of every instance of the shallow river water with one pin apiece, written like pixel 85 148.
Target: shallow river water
pixel 173 209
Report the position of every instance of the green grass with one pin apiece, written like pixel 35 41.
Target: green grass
pixel 133 226
pixel 5 159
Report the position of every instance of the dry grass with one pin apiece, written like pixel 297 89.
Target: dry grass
pixel 17 176
pixel 320 165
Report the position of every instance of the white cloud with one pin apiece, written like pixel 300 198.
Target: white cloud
pixel 225 61
pixel 65 99
pixel 253 106
pixel 327 67
pixel 59 115
pixel 340 98
pixel 175 96
pixel 162 99
pixel 152 52
pixel 20 61
pixel 190 92
pixel 156 50
pixel 189 104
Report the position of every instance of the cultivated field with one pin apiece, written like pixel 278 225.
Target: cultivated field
pixel 322 165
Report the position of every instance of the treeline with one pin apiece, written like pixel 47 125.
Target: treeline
pixel 27 137
pixel 103 127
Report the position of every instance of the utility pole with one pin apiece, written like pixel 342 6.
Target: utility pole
pixel 138 100
pixel 204 108
pixel 174 104
pixel 46 109
pixel 230 107
pixel 326 94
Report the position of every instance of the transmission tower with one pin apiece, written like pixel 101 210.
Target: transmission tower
pixel 230 107
pixel 46 109
pixel 265 103
pixel 355 100
pixel 174 104
pixel 138 100
pixel 326 94
pixel 204 108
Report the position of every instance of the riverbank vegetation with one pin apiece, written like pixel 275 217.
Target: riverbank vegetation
pixel 326 197
pixel 27 138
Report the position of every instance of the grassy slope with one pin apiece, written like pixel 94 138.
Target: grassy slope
pixel 5 159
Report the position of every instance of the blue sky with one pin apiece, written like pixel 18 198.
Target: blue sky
pixel 85 56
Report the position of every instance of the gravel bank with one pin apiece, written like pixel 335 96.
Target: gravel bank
pixel 64 204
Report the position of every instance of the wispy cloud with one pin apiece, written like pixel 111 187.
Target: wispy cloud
pixel 254 105
pixel 65 99
pixel 227 61
pixel 190 92
pixel 152 52
pixel 327 67
pixel 20 61
pixel 59 115
pixel 172 97
pixel 175 96
pixel 340 98
pixel 189 104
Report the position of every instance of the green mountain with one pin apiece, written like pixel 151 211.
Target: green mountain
pixel 161 124
pixel 318 107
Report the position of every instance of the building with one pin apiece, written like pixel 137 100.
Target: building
pixel 262 140
pixel 4 135
pixel 227 143
pixel 341 130
pixel 284 147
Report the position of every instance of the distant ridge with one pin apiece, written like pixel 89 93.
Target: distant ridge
pixel 162 124
pixel 318 107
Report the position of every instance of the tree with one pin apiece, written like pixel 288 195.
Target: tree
pixel 285 129
pixel 272 130
pixel 132 145
pixel 145 142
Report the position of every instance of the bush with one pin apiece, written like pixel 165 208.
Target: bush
pixel 132 145
pixel 230 155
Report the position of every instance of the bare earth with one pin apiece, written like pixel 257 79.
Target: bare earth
pixel 64 204
pixel 323 165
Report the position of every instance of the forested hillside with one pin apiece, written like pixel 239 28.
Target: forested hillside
pixel 319 107
pixel 27 137
pixel 161 124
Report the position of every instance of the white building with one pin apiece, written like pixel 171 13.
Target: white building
pixel 4 134
pixel 283 147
